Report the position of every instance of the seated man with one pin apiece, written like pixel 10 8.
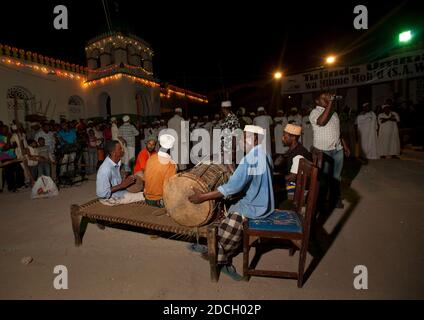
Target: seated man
pixel 145 155
pixel 296 152
pixel 252 181
pixel 109 185
pixel 159 168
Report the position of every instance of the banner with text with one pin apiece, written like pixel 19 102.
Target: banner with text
pixel 407 65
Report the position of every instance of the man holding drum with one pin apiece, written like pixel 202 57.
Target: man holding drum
pixel 252 182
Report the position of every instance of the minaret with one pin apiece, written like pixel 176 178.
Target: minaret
pixel 115 53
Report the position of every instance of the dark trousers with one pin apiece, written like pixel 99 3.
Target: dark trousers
pixel 14 176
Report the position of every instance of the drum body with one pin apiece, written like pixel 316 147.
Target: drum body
pixel 206 178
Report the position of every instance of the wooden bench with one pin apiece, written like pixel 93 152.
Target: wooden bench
pixel 143 216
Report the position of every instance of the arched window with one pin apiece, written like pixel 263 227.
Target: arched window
pixel 75 108
pixel 21 100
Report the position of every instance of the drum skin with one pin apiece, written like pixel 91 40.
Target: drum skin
pixel 206 178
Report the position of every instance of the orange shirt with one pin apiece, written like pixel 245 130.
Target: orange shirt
pixel 156 174
pixel 142 158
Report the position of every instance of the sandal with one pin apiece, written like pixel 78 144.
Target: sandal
pixel 230 271
pixel 195 247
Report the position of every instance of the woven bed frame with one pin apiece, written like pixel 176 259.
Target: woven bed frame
pixel 141 215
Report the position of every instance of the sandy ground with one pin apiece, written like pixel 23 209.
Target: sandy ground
pixel 381 227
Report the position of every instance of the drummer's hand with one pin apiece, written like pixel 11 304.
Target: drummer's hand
pixel 128 181
pixel 196 198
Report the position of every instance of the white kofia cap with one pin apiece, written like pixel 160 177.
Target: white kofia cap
pixel 126 118
pixel 178 110
pixel 261 109
pixel 254 129
pixel 166 141
pixel 226 104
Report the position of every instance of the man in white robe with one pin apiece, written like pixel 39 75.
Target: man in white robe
pixel 307 131
pixel 294 117
pixel 388 133
pixel 280 123
pixel 177 123
pixel 366 123
pixel 264 121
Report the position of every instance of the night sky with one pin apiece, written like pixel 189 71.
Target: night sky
pixel 210 45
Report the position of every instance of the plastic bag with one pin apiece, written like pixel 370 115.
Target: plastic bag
pixel 44 187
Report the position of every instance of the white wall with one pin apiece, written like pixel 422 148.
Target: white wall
pixel 58 90
pixel 44 88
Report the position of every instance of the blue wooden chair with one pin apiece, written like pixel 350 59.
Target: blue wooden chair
pixel 292 225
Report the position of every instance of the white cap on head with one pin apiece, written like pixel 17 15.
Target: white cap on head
pixel 113 119
pixel 261 109
pixel 226 104
pixel 243 111
pixel 32 124
pixel 252 114
pixel 293 129
pixel 161 120
pixel 254 129
pixel 178 110
pixel 195 117
pixel 293 109
pixel 126 118
pixel 89 121
pixel 14 127
pixel 366 104
pixel 166 141
pixel 385 106
pixel 280 111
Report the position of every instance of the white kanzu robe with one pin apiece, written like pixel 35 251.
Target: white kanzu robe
pixel 177 123
pixel 280 148
pixel 367 129
pixel 307 133
pixel 388 135
pixel 265 123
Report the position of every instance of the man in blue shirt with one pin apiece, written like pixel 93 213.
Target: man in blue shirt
pixel 110 187
pixel 252 181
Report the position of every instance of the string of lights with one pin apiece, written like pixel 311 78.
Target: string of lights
pixel 34 62
pixel 119 40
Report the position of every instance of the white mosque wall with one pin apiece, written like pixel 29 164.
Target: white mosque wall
pixel 46 94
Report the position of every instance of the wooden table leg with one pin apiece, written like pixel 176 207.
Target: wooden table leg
pixel 212 252
pixel 76 224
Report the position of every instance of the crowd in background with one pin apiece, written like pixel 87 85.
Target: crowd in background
pixel 58 148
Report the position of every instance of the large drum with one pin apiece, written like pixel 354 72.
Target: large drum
pixel 205 177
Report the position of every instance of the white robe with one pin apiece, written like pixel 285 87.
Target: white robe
pixel 307 133
pixel 367 129
pixel 280 148
pixel 388 135
pixel 175 123
pixel 265 122
pixel 296 119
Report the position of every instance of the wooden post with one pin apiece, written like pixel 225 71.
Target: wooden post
pixel 212 252
pixel 76 224
pixel 21 145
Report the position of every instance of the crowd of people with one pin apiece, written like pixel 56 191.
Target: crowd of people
pixel 134 162
pixel 53 149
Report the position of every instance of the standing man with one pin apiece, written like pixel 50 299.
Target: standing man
pixel 326 127
pixel 280 123
pixel 264 121
pixel 307 131
pixel 388 133
pixel 294 117
pixel 178 124
pixel 366 127
pixel 128 132
pixel 229 125
pixel 252 180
